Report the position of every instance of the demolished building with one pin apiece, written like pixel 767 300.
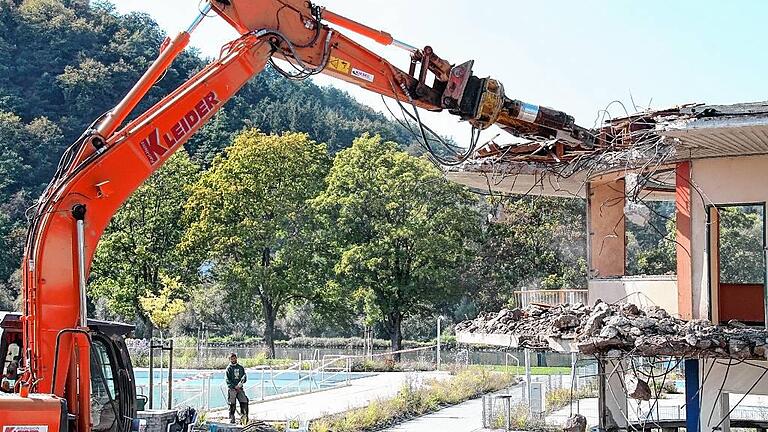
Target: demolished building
pixel 711 161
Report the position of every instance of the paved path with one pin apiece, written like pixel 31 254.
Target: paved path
pixel 464 417
pixel 314 405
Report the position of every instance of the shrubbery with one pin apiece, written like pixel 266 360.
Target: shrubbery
pixel 414 400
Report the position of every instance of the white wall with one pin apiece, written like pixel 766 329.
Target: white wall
pixel 641 290
pixel 719 181
pixel 734 377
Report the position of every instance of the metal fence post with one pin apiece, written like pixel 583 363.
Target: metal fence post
pixel 484 412
pixel 438 343
pixel 170 374
pixel 298 375
pixel 528 379
pixel 508 408
pixel 151 373
pixel 262 384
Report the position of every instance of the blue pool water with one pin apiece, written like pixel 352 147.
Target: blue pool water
pixel 206 389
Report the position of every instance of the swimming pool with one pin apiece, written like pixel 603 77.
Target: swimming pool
pixel 206 389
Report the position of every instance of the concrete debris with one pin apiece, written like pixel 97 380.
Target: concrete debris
pixel 637 388
pixel 575 423
pixel 604 327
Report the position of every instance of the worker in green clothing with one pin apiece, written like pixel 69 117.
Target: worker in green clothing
pixel 235 380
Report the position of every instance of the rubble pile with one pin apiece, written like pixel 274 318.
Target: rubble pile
pixel 623 327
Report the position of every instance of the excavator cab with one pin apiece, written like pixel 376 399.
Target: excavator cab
pixel 113 389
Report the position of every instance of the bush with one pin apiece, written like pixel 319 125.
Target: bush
pixel 352 342
pixel 670 387
pixel 520 419
pixel 559 398
pixel 389 365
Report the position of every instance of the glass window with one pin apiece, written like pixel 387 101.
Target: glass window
pixel 741 245
pixel 102 409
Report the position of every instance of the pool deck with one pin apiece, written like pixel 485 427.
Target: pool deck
pixel 311 406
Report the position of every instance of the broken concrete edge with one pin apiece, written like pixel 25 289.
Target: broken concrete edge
pixel 612 329
pixel 511 341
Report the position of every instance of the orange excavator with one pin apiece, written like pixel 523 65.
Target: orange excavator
pixel 75 373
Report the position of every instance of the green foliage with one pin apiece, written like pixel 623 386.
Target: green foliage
pixel 539 244
pixel 353 342
pixel 275 105
pixel 413 400
pixel 65 62
pixel 388 364
pixel 250 221
pixel 535 370
pixel 137 252
pixel 651 248
pixel 25 158
pixel 741 244
pixel 162 308
pixel 400 230
pixel 562 397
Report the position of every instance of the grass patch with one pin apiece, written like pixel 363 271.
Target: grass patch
pixel 535 370
pixel 562 397
pixel 389 365
pixel 414 400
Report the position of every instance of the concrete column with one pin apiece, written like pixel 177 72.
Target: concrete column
pixel 612 398
pixel 683 238
pixel 607 250
pixel 711 397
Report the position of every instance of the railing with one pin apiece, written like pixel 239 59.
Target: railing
pixel 324 371
pixel 550 297
pixel 316 378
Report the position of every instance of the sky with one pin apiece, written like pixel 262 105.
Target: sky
pixel 575 56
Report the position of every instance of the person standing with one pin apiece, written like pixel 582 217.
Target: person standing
pixel 235 380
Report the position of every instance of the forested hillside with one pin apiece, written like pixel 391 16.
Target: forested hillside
pixel 64 62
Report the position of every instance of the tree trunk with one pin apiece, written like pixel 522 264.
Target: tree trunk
pixel 149 328
pixel 270 316
pixel 396 334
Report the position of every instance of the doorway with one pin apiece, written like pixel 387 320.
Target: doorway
pixel 737 263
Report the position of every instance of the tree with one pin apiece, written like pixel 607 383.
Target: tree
pixel 651 247
pixel 742 257
pixel 400 230
pixel 538 243
pixel 25 160
pixel 250 214
pixel 164 307
pixel 138 250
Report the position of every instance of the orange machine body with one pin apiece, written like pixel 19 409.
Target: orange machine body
pixel 36 413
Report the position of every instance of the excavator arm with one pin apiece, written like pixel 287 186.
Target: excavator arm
pixel 298 32
pixel 111 160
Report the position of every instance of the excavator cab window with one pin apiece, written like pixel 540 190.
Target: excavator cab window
pixel 9 370
pixel 10 352
pixel 104 396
